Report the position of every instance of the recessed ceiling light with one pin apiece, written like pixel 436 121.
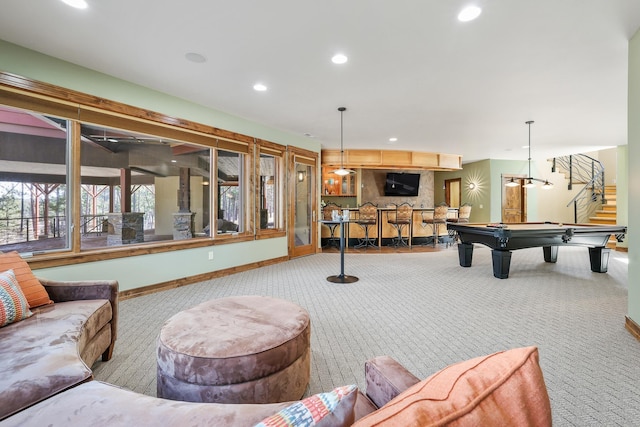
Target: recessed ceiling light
pixel 195 57
pixel 259 87
pixel 174 161
pixel 469 13
pixel 78 4
pixel 525 146
pixel 309 135
pixel 339 58
pixel 393 139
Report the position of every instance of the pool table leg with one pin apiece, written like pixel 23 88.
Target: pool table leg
pixel 465 253
pixel 599 258
pixel 550 253
pixel 501 263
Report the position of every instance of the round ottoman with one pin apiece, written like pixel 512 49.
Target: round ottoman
pixel 244 349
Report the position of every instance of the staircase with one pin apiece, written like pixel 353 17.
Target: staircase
pixel 588 173
pixel 595 203
pixel 606 215
pixel 608 211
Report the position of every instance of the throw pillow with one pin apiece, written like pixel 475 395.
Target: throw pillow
pixel 34 291
pixel 502 389
pixel 332 409
pixel 13 304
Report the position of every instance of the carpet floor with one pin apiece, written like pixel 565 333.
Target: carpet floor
pixel 427 312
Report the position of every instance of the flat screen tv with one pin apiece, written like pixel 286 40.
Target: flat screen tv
pixel 402 184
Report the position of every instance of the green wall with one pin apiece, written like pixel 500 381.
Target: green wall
pixel 486 197
pixel 633 195
pixel 622 189
pixel 137 271
pixel 510 167
pixel 478 173
pixel 143 270
pixel 28 63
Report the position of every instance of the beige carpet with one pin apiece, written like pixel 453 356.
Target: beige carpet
pixel 427 312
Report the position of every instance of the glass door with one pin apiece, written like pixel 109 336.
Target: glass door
pixel 303 227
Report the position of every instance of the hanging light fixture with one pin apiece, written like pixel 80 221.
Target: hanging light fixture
pixel 342 171
pixel 512 183
pixel 529 180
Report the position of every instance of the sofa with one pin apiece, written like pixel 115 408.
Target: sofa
pixel 505 388
pixel 63 330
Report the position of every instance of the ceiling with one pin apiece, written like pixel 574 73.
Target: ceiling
pixel 414 71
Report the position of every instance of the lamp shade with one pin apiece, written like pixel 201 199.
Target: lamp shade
pixel 342 171
pixel 512 183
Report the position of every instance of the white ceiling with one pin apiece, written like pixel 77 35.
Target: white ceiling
pixel 414 71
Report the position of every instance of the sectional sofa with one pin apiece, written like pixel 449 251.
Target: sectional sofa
pixel 46 379
pixel 72 324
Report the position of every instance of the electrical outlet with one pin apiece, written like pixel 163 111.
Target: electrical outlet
pixel 210 255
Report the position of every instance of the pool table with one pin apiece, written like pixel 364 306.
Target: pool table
pixel 504 238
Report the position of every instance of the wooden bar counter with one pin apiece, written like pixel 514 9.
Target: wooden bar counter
pixel 384 231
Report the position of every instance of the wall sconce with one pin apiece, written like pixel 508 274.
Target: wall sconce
pixel 472 186
pixel 301 176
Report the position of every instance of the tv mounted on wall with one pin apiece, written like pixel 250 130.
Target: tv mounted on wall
pixel 402 184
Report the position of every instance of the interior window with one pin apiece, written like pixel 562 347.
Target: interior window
pixel 34 204
pixel 230 194
pixel 137 181
pixel 139 188
pixel 268 192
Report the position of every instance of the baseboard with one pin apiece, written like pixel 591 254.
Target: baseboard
pixel 177 283
pixel 632 327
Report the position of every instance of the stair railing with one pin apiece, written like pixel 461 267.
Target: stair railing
pixel 583 169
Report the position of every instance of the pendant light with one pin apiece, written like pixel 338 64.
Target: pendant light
pixel 512 183
pixel 530 182
pixel 342 171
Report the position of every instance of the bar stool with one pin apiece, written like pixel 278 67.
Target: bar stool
pixel 464 212
pixel 439 217
pixel 327 212
pixel 367 217
pixel 399 218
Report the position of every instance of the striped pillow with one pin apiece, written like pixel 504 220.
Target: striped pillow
pixel 32 289
pixel 332 409
pixel 13 304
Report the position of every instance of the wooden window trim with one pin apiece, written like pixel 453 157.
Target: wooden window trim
pixel 279 152
pixel 18 91
pixel 27 94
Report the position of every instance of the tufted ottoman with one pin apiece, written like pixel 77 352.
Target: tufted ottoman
pixel 244 349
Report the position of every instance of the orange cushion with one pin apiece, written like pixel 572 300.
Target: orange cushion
pixel 34 291
pixel 505 389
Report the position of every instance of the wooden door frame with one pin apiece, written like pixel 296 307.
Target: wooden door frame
pixel 447 190
pixel 310 158
pixel 523 195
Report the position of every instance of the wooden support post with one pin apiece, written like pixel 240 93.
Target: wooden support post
pixel 125 190
pixel 184 190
